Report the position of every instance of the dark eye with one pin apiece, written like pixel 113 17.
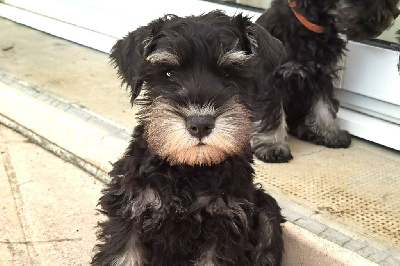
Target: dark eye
pixel 226 73
pixel 168 73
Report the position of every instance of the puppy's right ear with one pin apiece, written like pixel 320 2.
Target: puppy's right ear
pixel 129 53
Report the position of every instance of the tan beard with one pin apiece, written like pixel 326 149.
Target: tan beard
pixel 166 133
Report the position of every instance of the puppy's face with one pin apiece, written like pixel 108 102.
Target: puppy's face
pixel 196 73
pixel 196 133
pixel 366 19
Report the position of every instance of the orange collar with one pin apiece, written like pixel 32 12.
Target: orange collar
pixel 309 25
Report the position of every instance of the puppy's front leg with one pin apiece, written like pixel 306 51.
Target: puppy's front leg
pixel 268 140
pixel 319 125
pixel 268 250
pixel 121 232
pixel 121 246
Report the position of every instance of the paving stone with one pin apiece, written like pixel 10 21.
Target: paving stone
pixel 61 105
pixel 30 90
pixel 125 135
pixel 367 251
pixel 45 98
pixel 354 245
pixel 391 261
pixel 311 225
pixel 7 79
pixel 291 215
pixel 79 113
pixel 335 236
pixel 113 130
pixel 378 256
pixel 55 202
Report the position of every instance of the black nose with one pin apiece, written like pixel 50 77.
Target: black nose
pixel 200 126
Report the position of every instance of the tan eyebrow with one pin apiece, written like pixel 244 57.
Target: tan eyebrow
pixel 163 56
pixel 238 57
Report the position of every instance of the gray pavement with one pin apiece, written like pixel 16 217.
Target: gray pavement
pixel 47 205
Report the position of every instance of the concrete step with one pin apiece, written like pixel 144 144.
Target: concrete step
pixel 48 214
pixel 66 98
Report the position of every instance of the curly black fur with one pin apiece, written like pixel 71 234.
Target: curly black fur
pixel 366 19
pixel 160 213
pixel 308 74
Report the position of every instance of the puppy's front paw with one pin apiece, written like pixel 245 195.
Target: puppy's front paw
pixel 341 139
pixel 273 153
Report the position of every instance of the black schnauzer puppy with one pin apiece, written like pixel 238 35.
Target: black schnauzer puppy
pixel 308 29
pixel 365 19
pixel 183 193
pixel 314 49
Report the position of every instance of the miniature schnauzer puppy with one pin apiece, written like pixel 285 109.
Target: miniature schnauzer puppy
pixel 183 193
pixel 309 31
pixel 366 19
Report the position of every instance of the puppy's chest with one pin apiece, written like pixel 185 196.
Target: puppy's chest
pixel 185 208
pixel 186 201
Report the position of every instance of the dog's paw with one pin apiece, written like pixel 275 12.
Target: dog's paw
pixel 341 139
pixel 275 153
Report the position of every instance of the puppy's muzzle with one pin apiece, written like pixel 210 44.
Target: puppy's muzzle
pixel 200 126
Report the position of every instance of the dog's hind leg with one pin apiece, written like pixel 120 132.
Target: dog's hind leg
pixel 268 140
pixel 319 125
pixel 268 231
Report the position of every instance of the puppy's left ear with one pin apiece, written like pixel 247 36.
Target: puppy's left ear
pixel 128 55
